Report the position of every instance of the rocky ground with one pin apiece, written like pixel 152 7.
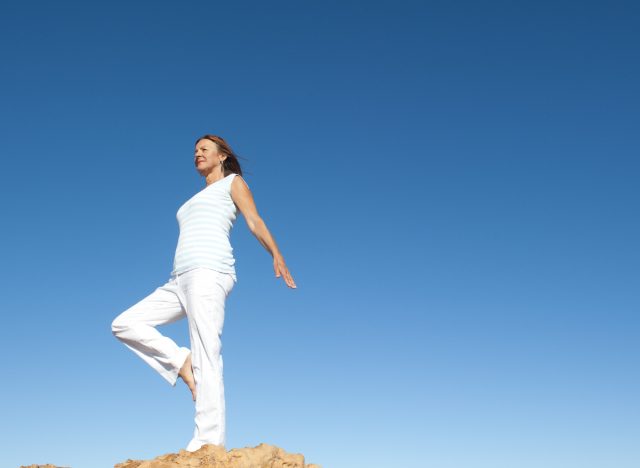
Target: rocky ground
pixel 214 456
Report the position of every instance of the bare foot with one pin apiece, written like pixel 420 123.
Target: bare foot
pixel 187 375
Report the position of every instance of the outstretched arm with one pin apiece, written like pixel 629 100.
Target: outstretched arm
pixel 243 198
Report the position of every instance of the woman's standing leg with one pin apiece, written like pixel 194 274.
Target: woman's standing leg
pixel 205 292
pixel 135 327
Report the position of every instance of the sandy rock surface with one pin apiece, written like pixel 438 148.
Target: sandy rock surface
pixel 214 456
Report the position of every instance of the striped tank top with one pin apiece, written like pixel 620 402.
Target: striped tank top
pixel 205 222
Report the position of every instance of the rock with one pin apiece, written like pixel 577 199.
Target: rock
pixel 215 456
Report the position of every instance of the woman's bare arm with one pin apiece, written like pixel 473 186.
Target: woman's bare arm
pixel 243 198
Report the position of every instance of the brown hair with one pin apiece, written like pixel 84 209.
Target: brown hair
pixel 231 163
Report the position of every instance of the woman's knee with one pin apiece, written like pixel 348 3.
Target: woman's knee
pixel 119 325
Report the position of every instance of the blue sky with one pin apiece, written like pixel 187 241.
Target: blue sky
pixel 453 186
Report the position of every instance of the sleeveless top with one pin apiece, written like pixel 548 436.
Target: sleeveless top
pixel 205 222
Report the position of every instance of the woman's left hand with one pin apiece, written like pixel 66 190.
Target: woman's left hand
pixel 280 269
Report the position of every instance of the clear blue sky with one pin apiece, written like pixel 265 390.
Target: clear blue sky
pixel 454 186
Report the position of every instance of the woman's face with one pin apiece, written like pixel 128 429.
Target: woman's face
pixel 206 157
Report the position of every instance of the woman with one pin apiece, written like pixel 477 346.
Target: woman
pixel 203 275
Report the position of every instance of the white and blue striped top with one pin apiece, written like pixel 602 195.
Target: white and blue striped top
pixel 205 222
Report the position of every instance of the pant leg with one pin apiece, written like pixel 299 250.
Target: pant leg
pixel 135 327
pixel 205 292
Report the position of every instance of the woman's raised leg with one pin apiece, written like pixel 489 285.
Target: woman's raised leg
pixel 135 327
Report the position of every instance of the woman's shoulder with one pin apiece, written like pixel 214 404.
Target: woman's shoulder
pixel 235 176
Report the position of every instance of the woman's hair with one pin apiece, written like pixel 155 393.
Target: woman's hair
pixel 231 163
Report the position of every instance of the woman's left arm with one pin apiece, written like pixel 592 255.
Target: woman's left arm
pixel 243 198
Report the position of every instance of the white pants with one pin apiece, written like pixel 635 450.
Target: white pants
pixel 200 295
